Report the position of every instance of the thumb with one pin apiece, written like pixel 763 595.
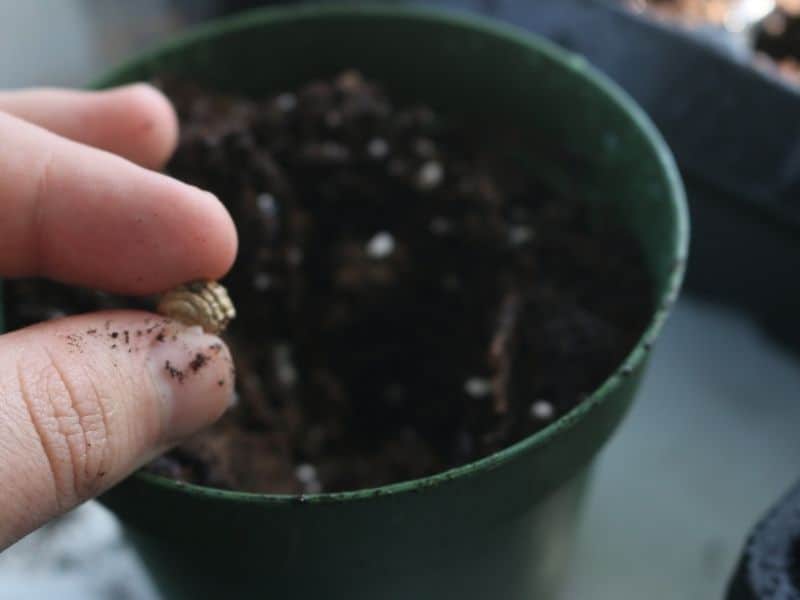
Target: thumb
pixel 86 400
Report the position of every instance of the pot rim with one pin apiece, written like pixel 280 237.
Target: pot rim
pixel 565 59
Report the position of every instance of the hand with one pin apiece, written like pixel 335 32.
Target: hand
pixel 80 407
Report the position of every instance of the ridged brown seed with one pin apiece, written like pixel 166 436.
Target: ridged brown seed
pixel 204 303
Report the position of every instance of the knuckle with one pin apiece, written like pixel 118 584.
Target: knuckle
pixel 69 416
pixel 43 179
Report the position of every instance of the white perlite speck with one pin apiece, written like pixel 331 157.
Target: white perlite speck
pixel 284 369
pixel 286 102
pixel 542 410
pixel 381 245
pixel 287 374
pixel 440 226
pixel 307 475
pixel 262 281
pixel 430 175
pixel 519 235
pixel 477 387
pixel 266 204
pixel 378 148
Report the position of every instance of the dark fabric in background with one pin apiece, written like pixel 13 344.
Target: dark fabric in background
pixel 734 130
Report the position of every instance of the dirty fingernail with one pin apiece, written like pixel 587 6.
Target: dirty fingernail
pixel 193 374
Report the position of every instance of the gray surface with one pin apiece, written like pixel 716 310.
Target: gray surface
pixel 710 444
pixel 31 52
pixel 79 557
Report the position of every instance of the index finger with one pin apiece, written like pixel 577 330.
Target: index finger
pixel 135 121
pixel 85 216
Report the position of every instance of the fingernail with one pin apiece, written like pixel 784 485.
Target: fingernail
pixel 193 373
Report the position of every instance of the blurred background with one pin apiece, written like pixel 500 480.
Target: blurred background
pixel 713 439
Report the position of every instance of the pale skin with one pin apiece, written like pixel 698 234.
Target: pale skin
pixel 81 203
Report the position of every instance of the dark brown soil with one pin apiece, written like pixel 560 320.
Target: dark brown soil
pixel 410 298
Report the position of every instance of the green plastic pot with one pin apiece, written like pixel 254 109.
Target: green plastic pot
pixel 501 527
